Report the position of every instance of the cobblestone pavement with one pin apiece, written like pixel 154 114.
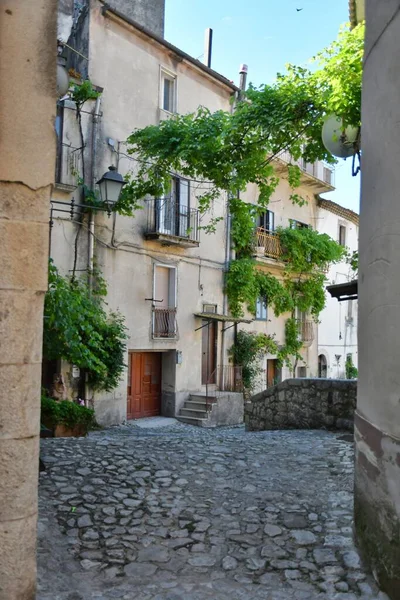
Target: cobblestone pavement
pixel 183 513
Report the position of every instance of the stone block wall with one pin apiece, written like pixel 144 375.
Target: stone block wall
pixel 303 404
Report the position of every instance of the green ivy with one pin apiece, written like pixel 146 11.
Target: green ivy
pixel 351 370
pixel 248 350
pixel 78 329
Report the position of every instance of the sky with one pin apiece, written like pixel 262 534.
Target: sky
pixel 265 35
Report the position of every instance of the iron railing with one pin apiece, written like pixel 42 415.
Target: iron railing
pixel 164 323
pixel 167 217
pixel 68 165
pixel 227 378
pixel 269 242
pixel 306 330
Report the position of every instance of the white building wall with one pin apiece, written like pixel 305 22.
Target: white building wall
pixel 337 329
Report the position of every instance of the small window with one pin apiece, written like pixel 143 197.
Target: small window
pixel 168 92
pixel 297 224
pixel 261 309
pixel 349 310
pixel 266 221
pixel 210 308
pixel 342 235
pixel 301 371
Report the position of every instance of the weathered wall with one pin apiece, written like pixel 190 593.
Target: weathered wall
pixel 149 13
pixel 303 404
pixel 27 149
pixel 377 484
pixel 228 410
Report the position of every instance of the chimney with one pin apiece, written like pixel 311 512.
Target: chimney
pixel 243 77
pixel 208 46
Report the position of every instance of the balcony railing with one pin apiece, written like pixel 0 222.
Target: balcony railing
pixel 306 330
pixel 319 170
pixel 168 220
pixel 164 323
pixel 269 243
pixel 68 165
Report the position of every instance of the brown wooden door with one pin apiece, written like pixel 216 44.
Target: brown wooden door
pixel 209 352
pixel 272 372
pixel 144 385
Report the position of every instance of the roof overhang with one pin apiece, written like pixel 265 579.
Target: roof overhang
pixel 356 12
pixel 344 291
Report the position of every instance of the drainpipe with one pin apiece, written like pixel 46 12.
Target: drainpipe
pixel 95 120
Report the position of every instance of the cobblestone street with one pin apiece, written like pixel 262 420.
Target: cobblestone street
pixel 183 513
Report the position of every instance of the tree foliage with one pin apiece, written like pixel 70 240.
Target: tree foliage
pixel 78 329
pixel 232 149
pixel 247 351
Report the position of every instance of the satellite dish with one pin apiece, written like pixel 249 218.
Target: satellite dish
pixel 338 141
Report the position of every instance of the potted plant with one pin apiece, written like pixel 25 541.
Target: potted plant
pixel 66 418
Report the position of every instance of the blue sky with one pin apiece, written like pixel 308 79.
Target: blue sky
pixel 265 35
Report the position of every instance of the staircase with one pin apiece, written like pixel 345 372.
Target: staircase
pixel 194 411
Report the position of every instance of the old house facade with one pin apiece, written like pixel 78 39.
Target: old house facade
pixel 161 269
pixel 164 273
pixel 337 328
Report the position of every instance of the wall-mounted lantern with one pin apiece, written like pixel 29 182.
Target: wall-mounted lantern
pixel 111 185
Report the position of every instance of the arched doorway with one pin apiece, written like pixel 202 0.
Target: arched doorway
pixel 322 366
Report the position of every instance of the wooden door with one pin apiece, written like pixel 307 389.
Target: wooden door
pixel 209 352
pixel 273 372
pixel 144 385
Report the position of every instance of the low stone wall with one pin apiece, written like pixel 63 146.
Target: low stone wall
pixel 303 404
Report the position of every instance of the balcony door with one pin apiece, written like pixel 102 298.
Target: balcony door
pixel 182 203
pixel 266 221
pixel 164 302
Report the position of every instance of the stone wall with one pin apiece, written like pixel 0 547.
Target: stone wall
pixel 303 404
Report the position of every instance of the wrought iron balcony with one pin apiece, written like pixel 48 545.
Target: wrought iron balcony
pixel 172 223
pixel 164 323
pixel 306 330
pixel 268 243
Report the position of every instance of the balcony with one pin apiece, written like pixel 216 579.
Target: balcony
pixel 306 331
pixel 268 244
pixel 164 323
pixel 172 223
pixel 317 175
pixel 68 167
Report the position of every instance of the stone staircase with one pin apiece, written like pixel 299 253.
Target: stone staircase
pixel 194 411
pixel 224 408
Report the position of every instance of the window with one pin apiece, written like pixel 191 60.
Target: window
pixel 342 235
pixel 261 309
pixel 297 224
pixel 266 221
pixel 173 213
pixel 168 91
pixel 301 371
pixel 349 310
pixel 164 302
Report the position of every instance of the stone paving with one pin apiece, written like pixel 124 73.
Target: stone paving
pixel 183 513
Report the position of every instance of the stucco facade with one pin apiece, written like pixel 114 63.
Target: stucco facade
pixel 377 484
pixel 337 328
pixel 129 65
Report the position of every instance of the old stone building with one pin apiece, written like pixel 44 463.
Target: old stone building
pixel 164 273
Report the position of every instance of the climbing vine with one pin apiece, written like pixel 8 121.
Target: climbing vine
pixel 247 351
pixel 78 329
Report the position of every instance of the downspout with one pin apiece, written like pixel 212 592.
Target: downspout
pixel 95 120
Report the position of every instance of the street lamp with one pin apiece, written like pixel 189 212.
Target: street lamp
pixel 111 185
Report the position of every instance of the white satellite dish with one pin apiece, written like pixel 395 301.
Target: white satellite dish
pixel 338 141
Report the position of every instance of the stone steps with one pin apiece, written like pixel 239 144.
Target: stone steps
pixel 193 412
pixel 192 421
